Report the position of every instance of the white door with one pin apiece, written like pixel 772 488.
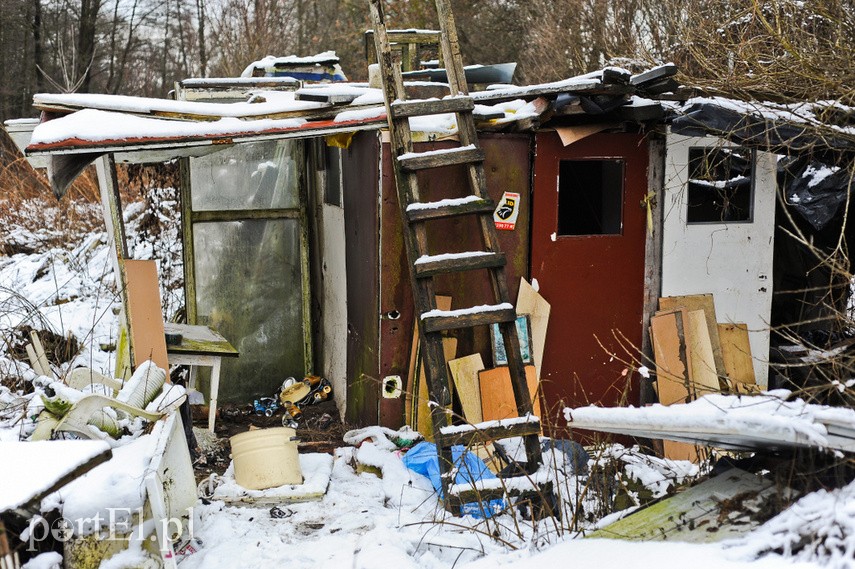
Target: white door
pixel 718 231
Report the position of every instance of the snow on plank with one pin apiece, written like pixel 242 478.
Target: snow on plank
pixel 457 313
pixel 90 130
pixel 31 470
pixel 425 259
pixel 441 157
pixel 437 320
pixel 166 108
pixel 761 422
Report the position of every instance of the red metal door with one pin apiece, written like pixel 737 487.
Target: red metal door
pixel 587 254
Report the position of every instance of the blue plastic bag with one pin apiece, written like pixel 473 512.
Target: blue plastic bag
pixel 423 459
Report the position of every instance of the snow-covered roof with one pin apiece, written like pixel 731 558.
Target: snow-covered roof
pixel 820 127
pixel 111 123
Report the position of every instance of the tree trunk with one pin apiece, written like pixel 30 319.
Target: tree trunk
pixel 86 43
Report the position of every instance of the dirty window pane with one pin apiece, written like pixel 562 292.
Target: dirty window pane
pixel 248 287
pixel 257 175
pixel 720 185
pixel 332 182
pixel 590 197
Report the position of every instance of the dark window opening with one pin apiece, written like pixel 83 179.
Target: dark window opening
pixel 590 197
pixel 720 185
pixel 333 182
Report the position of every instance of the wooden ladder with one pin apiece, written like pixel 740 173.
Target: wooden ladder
pixel 423 265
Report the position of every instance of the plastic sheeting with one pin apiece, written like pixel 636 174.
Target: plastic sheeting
pixel 817 199
pixel 423 459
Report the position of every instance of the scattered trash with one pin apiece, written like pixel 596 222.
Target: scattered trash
pixel 575 456
pixel 279 513
pixel 293 395
pixel 423 459
pixel 188 548
pixel 266 458
pixel 384 438
pixel 266 406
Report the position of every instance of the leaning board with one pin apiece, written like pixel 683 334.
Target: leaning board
pixel 497 394
pixel 145 320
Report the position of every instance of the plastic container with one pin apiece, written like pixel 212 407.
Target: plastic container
pixel 266 458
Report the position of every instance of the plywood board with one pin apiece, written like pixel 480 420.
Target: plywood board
pixel 706 303
pixel 673 369
pixel 145 319
pixel 531 303
pixel 736 350
pixel 464 372
pixel 424 423
pixel 703 373
pixel 672 359
pixel 497 394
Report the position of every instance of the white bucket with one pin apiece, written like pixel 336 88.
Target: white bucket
pixel 266 458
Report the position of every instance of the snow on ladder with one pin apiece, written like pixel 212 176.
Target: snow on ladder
pixel 473 202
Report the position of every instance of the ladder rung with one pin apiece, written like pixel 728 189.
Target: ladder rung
pixel 466 435
pixel 403 109
pixel 412 161
pixel 438 320
pixel 449 208
pixel 495 488
pixel 430 265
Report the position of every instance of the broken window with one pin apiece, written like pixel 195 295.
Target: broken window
pixel 590 197
pixel 720 185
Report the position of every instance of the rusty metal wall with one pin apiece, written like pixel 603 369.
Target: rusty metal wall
pixel 508 168
pixel 360 172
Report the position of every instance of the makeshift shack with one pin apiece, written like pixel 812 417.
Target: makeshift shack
pixel 292 231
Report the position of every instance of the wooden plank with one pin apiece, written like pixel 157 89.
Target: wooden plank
pixel 706 303
pixel 450 157
pixel 437 211
pixel 424 425
pixel 673 365
pixel 412 378
pixel 417 389
pixel 485 434
pixel 468 320
pixel 703 513
pixel 736 351
pixel 415 108
pixel 145 319
pixel 703 374
pixel 652 251
pixel 464 372
pixel 435 266
pixel 672 360
pixel 531 303
pixel 497 395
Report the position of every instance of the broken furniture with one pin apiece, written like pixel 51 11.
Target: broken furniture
pixel 151 480
pixel 86 415
pixel 200 346
pixel 426 262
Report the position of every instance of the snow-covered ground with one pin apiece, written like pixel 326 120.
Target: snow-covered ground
pixel 365 521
